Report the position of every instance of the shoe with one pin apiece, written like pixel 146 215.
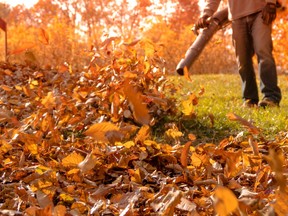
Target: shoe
pixel 249 103
pixel 266 102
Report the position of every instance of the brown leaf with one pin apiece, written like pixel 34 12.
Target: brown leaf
pixel 245 123
pixel 43 199
pixel 276 161
pixel 88 163
pixel 254 146
pixel 140 111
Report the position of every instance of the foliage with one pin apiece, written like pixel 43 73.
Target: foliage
pixel 166 22
pixel 75 143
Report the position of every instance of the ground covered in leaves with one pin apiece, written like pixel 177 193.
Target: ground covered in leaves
pixel 81 143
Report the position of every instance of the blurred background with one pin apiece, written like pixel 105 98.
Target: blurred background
pixel 57 32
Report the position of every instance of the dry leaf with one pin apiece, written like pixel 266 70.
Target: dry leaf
pixel 186 74
pixel 43 36
pixel 245 123
pixel 225 201
pixel 100 131
pixel 184 154
pixel 88 163
pixel 72 160
pixel 140 111
pixel 22 48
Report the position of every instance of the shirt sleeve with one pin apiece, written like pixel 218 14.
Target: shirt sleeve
pixel 211 7
pixel 271 1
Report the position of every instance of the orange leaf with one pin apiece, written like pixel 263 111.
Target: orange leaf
pixel 6 88
pixel 72 160
pixel 186 74
pixel 22 48
pixel 143 134
pixel 43 36
pixel 102 131
pixel 184 154
pixel 225 202
pixel 140 111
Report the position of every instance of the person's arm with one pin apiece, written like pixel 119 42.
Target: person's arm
pixel 210 8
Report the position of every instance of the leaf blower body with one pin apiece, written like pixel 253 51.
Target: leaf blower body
pixel 218 20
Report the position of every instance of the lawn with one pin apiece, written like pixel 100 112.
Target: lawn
pixel 222 95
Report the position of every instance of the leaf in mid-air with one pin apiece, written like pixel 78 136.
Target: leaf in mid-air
pixel 139 108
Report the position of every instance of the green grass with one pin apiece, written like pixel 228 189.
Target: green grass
pixel 222 96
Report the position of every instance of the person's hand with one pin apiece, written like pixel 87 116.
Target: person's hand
pixel 269 13
pixel 203 22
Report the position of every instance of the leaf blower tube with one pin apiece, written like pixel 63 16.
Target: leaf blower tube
pixel 219 19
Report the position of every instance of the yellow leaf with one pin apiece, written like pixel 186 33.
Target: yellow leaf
pixel 128 144
pixel 33 148
pixel 196 160
pixel 72 160
pixel 49 101
pixel 188 105
pixel 18 87
pixel 153 144
pixel 225 201
pixel 66 197
pixel 173 133
pixel 35 82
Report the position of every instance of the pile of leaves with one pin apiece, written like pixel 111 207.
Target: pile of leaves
pixel 81 143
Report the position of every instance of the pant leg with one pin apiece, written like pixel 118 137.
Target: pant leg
pixel 263 47
pixel 244 50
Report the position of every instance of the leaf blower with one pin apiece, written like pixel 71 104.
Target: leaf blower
pixel 217 21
